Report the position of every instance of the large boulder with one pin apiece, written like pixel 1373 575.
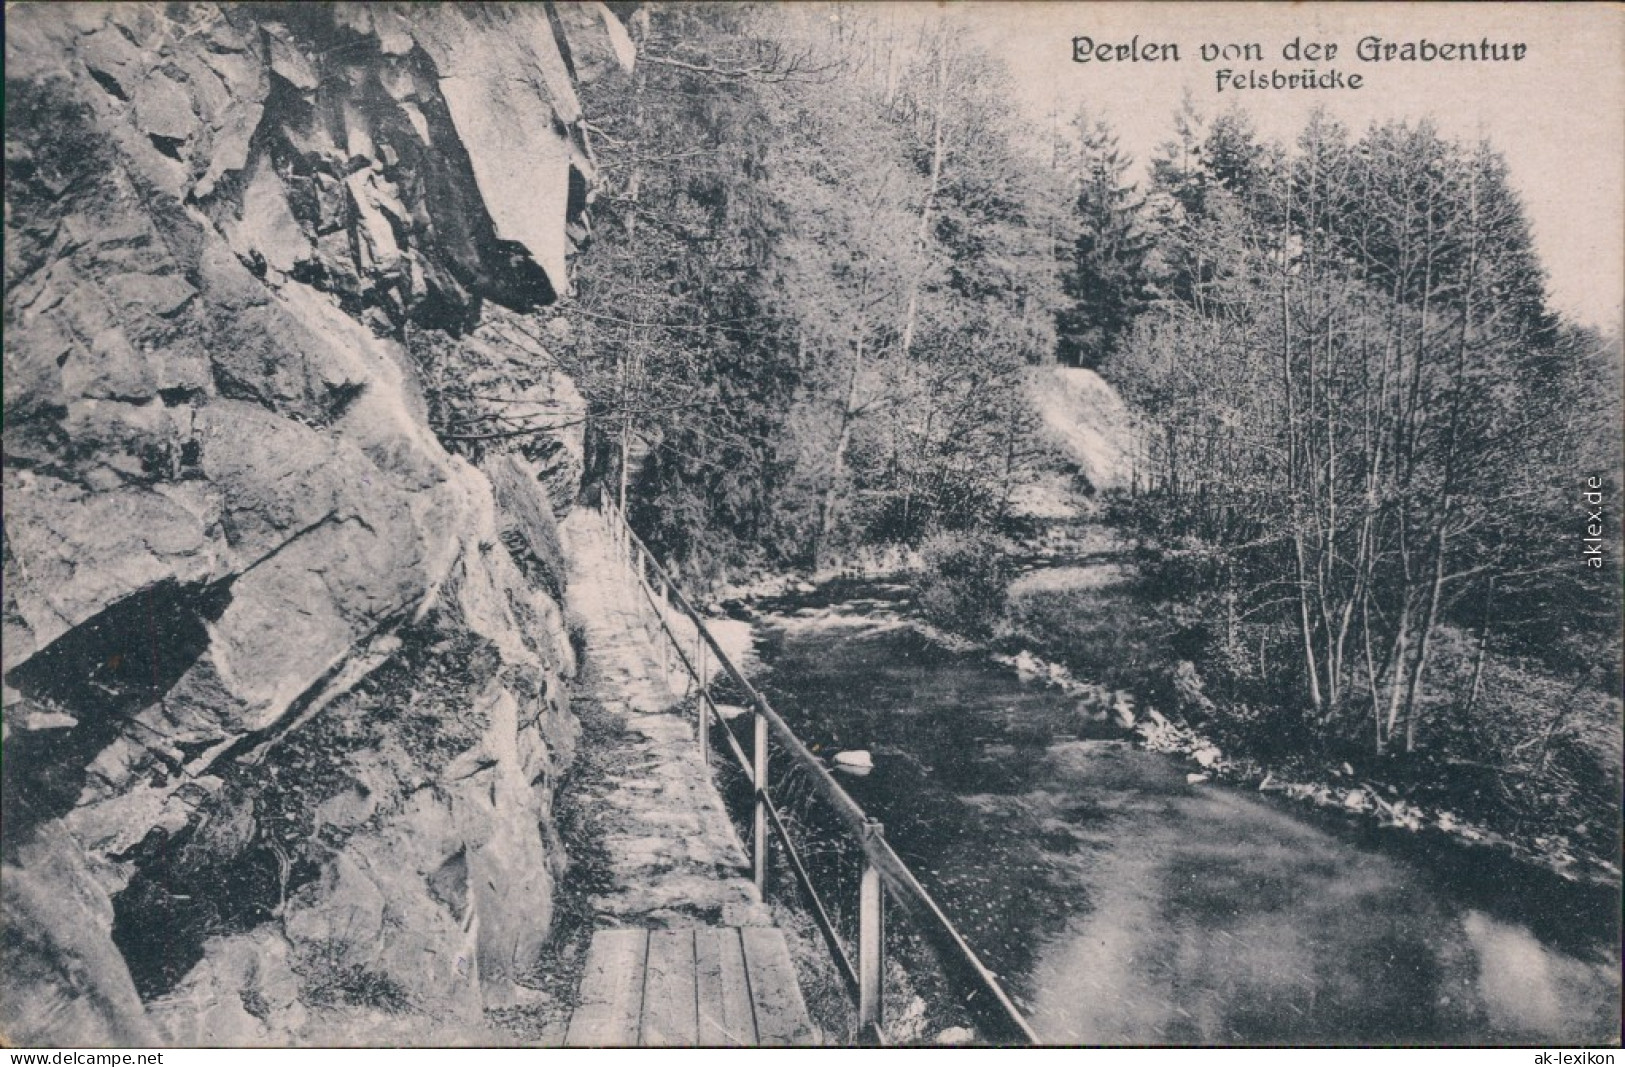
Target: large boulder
pixel 64 978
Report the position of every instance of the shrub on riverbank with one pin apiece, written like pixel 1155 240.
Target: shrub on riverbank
pixel 964 580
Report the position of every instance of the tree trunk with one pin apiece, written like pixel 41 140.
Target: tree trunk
pixel 911 312
pixel 826 511
pixel 1478 657
pixel 1396 658
pixel 1305 629
pixel 1419 665
pixel 1452 459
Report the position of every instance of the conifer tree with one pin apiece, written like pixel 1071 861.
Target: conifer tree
pixel 1105 280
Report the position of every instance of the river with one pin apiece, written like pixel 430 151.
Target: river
pixel 1122 904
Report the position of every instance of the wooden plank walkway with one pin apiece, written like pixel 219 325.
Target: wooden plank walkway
pixel 672 857
pixel 707 986
pixel 685 953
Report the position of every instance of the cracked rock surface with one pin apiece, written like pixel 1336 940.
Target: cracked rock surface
pixel 283 674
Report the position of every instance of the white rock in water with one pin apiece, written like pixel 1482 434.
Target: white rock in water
pixel 1355 800
pixel 1194 779
pixel 731 711
pixel 50 720
pixel 805 587
pixel 855 759
pixel 956 1035
pixel 1207 756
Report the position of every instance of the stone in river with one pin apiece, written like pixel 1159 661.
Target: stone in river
pixel 1123 710
pixel 857 760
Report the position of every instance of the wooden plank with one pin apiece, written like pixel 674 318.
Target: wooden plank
pixel 670 1016
pixel 781 1014
pixel 723 991
pixel 611 999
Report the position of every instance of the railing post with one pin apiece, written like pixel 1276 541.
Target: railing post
pixel 871 940
pixel 704 695
pixel 706 707
pixel 640 581
pixel 660 635
pixel 758 852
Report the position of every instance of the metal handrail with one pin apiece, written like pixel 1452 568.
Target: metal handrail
pixel 882 866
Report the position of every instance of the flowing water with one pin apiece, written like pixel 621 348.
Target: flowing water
pixel 1121 904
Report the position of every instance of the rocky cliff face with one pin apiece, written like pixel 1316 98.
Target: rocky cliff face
pixel 283 704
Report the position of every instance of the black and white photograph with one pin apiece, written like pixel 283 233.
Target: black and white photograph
pixel 576 525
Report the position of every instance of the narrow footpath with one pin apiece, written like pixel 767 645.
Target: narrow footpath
pixel 684 952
